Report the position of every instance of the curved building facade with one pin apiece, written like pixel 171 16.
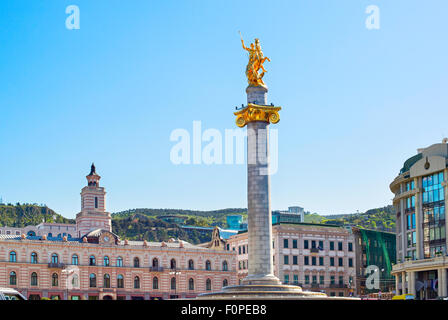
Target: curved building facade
pixel 420 202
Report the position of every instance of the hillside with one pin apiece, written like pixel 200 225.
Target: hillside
pixel 21 215
pixel 140 224
pixel 141 227
pixel 193 217
pixel 382 219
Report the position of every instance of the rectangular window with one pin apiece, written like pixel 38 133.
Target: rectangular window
pixel 350 246
pixel 341 262
pixel 285 259
pixel 285 243
pixel 313 261
pixel 340 246
pixel 314 279
pixel 321 245
pixel 296 279
pixel 294 243
pixel 313 244
pixel 331 245
pixel 305 244
pixel 341 280
pixel 332 261
pixel 307 279
pixel 321 261
pixel 286 278
pixel 322 279
pixel 332 280
pixel 306 260
pixel 350 262
pixel 294 260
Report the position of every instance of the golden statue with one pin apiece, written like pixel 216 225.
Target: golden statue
pixel 256 60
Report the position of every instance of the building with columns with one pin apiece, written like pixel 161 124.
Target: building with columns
pixel 87 260
pixel 420 200
pixel 316 257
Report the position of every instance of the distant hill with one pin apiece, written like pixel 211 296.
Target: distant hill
pixel 381 219
pixel 145 224
pixel 22 215
pixel 141 227
pixel 195 217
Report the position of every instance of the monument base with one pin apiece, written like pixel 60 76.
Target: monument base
pixel 267 292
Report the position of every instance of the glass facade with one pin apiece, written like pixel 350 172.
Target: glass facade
pixel 433 198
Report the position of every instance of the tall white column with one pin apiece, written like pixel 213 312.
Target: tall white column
pixel 259 221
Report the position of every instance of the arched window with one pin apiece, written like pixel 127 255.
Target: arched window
pixel 31 233
pixel 155 263
pixel 12 256
pixel 34 279
pixel 34 257
pixel 106 261
pixel 50 235
pixel 208 285
pixel 92 261
pixel 225 283
pixel 155 283
pixel 119 262
pixel 225 266
pixel 75 260
pixel 12 278
pixel 136 262
pixel 173 283
pixel 136 282
pixel 173 263
pixel 54 280
pixel 120 281
pixel 208 265
pixel 54 258
pixel 191 284
pixel 190 265
pixel 106 282
pixel 92 280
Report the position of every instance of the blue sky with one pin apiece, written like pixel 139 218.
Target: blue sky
pixel 356 102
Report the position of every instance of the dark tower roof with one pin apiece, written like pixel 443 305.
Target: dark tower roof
pixel 93 170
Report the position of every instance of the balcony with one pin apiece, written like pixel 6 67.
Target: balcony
pixel 314 250
pixel 156 269
pixel 56 265
pixel 314 285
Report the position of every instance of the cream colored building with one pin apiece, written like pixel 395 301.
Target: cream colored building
pixel 316 257
pixel 420 201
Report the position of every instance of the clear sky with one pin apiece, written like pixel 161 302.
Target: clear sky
pixel 356 102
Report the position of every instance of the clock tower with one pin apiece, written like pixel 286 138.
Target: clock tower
pixel 93 213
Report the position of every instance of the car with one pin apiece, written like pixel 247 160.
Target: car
pixel 10 294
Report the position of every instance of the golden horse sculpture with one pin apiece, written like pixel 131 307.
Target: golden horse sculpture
pixel 256 60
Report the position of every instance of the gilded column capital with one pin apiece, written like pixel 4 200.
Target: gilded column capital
pixel 255 112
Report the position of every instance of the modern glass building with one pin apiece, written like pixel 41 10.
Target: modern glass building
pixel 420 200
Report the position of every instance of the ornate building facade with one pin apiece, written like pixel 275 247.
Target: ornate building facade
pixel 89 261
